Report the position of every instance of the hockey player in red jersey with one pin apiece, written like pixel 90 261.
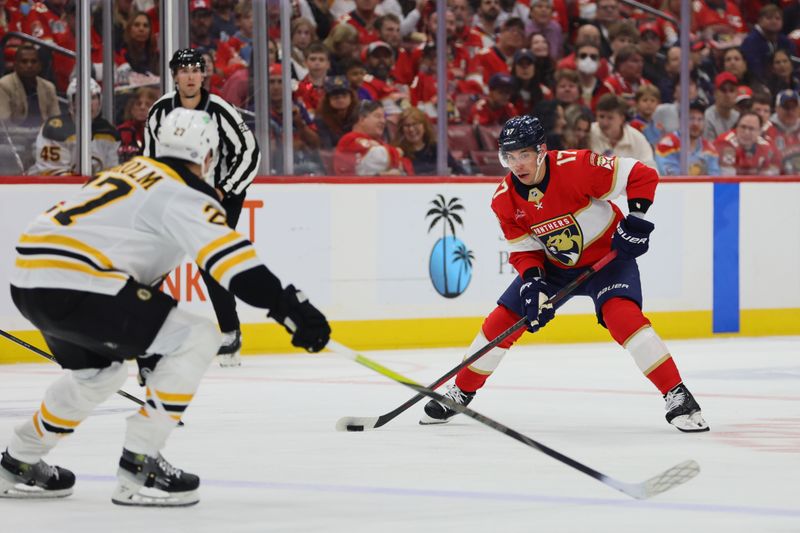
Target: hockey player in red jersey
pixel 555 212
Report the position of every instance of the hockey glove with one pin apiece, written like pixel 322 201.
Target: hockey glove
pixel 146 364
pixel 632 237
pixel 308 326
pixel 534 294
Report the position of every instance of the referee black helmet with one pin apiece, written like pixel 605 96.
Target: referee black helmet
pixel 187 57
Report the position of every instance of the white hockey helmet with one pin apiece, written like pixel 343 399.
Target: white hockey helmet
pixel 189 134
pixel 94 87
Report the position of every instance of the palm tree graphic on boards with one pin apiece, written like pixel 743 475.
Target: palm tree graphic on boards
pixel 449 253
pixel 464 259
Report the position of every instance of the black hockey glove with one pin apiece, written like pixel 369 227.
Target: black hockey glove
pixel 534 295
pixel 632 237
pixel 146 363
pixel 308 326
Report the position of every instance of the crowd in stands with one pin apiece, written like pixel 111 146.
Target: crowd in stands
pixel 600 74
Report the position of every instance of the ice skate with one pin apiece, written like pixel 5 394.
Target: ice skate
pixel 39 480
pixel 229 350
pixel 152 482
pixel 436 413
pixel 683 412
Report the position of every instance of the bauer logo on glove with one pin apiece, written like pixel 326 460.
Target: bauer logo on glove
pixel 632 237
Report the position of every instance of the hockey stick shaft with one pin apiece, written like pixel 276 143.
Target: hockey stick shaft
pixel 665 481
pixel 46 355
pixel 563 293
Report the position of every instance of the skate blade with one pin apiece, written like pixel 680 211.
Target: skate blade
pixel 229 360
pixel 20 491
pixel 693 423
pixel 147 497
pixel 428 421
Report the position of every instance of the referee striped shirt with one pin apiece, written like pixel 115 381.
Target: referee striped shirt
pixel 238 157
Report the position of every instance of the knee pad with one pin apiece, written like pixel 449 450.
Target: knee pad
pixel 499 320
pixel 187 343
pixel 75 394
pixel 623 318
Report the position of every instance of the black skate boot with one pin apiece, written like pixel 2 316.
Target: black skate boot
pixel 153 482
pixel 436 413
pixel 683 412
pixel 39 480
pixel 230 349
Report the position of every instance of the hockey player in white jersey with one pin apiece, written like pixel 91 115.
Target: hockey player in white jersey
pixel 55 144
pixel 83 276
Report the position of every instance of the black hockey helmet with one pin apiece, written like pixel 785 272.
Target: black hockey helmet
pixel 524 131
pixel 187 57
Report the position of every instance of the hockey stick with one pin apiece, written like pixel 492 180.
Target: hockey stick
pixel 46 355
pixel 13 148
pixel 672 477
pixel 355 423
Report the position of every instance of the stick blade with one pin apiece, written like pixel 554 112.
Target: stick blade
pixel 356 423
pixel 672 477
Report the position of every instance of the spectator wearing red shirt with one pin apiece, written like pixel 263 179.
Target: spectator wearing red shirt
pixel 45 19
pixel 744 152
pixel 10 20
pixel 489 61
pixel 311 89
pixel 495 108
pixel 362 18
pixel 588 34
pixel 200 20
pixel 627 76
pixel 237 51
pixel 131 131
pixel 485 21
pixel 362 152
pixel 63 66
pixel 388 28
pixel 466 34
pixel 714 16
pixel 378 83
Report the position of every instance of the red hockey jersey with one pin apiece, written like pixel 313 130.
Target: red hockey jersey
pixel 568 218
pixel 361 155
pixel 762 160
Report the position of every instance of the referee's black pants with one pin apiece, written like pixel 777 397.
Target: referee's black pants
pixel 223 301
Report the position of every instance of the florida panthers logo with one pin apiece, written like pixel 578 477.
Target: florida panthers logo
pixel 562 239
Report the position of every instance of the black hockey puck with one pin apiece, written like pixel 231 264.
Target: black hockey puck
pixel 355 428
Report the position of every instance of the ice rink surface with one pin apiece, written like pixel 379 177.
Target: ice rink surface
pixel 262 439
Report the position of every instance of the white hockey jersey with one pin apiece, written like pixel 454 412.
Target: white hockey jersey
pixel 56 148
pixel 138 220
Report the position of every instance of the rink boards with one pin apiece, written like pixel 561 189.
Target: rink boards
pixel 724 260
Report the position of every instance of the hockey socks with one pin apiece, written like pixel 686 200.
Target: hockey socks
pixel 473 377
pixel 631 329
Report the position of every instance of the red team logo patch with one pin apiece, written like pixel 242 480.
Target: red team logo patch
pixel 562 239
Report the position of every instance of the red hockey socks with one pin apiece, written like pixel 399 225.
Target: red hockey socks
pixel 631 329
pixel 473 377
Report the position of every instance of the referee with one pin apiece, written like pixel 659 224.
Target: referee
pixel 236 166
